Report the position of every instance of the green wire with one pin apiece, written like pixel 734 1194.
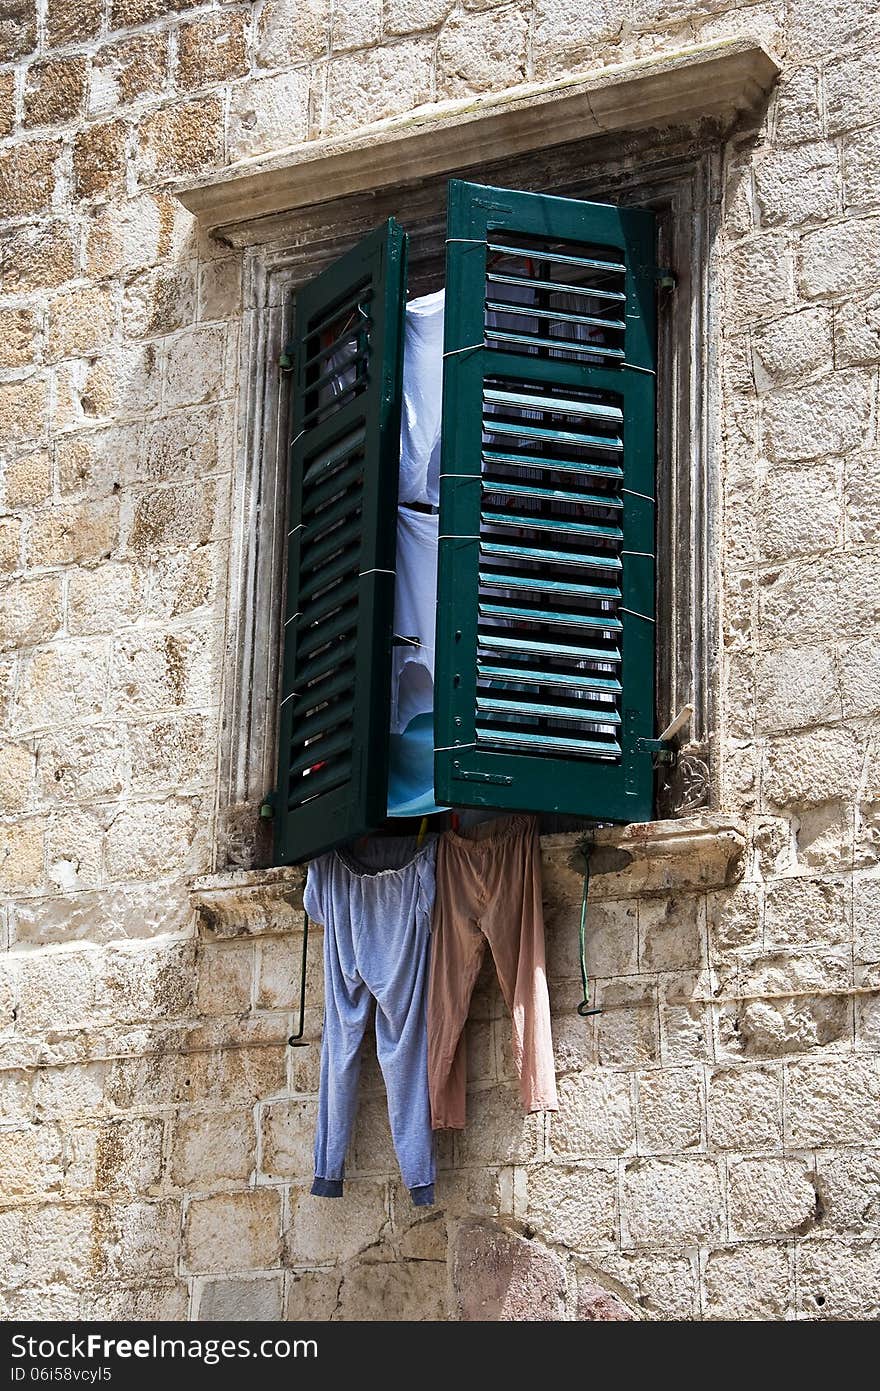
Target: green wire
pixel 584 1008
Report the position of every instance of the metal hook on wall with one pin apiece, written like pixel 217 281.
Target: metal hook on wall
pixel 296 1040
pixel 585 1009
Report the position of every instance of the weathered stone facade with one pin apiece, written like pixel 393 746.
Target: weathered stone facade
pixel 716 1153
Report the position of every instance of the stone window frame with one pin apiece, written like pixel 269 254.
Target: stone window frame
pixel 679 173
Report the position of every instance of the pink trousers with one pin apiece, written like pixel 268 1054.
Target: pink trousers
pixel 488 890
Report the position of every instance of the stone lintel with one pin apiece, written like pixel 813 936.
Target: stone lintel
pixel 654 857
pixel 249 902
pixel 719 81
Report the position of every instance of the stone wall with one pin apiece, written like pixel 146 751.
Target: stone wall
pixel 716 1153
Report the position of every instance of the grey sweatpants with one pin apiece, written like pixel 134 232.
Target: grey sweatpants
pixel 376 911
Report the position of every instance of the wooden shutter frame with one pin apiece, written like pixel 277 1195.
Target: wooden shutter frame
pixel 465 774
pixel 359 804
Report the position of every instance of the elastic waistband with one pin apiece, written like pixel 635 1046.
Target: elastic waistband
pixel 362 871
pixel 494 833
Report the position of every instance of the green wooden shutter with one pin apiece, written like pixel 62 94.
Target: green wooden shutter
pixel 545 632
pixel 344 451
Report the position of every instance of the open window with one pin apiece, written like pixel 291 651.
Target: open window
pixel 544 662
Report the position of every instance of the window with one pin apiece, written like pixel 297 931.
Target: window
pixel 545 645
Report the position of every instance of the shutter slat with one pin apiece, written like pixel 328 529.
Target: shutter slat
pixel 544 658
pixel 344 438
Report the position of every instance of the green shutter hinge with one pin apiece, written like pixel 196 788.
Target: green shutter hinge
pixel 285 359
pixel 666 278
pixel 665 747
pixel 267 808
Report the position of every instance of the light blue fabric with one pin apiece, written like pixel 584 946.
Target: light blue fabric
pixel 376 910
pixel 411 770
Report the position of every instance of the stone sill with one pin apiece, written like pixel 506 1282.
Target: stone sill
pixel 719 80
pixel 655 857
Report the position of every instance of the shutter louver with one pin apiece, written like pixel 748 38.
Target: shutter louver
pixel 545 641
pixel 344 442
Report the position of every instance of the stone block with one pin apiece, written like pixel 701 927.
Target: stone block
pixel 212 50
pixel 312 1295
pixel 21 854
pixel 211 1149
pixel 734 920
pixel 166 518
pixel 812 768
pixel 745 1108
pixel 358 28
pixel 407 16
pixel 23 409
pixel 179 140
pixel 7 103
pixel 803 911
pixel 126 234
pixel 838 1279
pixel 133 67
pixel 595 1115
pixel 195 366
pixel 792 347
pixel 866 919
pixel 37 257
pixel 327 1230
pixel 288 1129
pixel 171 754
pixel 797 686
pixel 260 1300
pixel 269 114
pixel 126 913
pixel 19 329
pixel 291 30
pixel 670 1201
pixel 32 1161
pixel 662 1286
pixel 149 839
pixel 598 1305
pixel 478 52
pixel 852 91
pixel 54 91
pixel 842 258
pixel 99 159
pixel 26 480
pixel 862 505
pixel 670 933
pixel 497 1131
pixel 136 1239
pixel 772 1197
pixel 116 1157
pixel 685 1019
pixel 158 302
pixel 574 1205
pixel 824 837
pixel 78 764
pixel 857 331
pixel 800 512
pixel 73 21
pixel 10 544
pixel 801 603
pixel 73 533
pixel 233 1231
pixel 748 1282
pixel 225 978
pixel 861 170
pixel 17 762
pixel 18 29
pixel 220 288
pixel 158 670
pixel 798 185
pixel 75 850
pixel 791 1003
pixel 798 116
pixel 27 177
pixel 758 277
pixel 628 1024
pixel 100 599
pixel 380 82
pixel 832 1103
pixel 498 1276
pixel 670 1110
pixel 414 1291
pixel 841 401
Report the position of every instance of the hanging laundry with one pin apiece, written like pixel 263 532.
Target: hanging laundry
pixel 376 909
pixel 411 755
pixel 489 890
pixel 422 400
